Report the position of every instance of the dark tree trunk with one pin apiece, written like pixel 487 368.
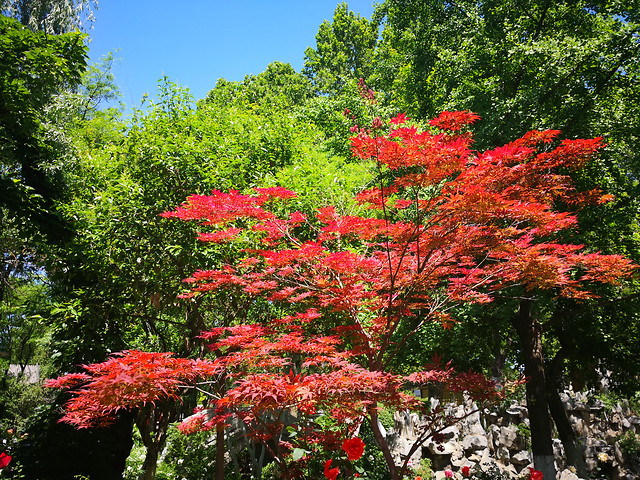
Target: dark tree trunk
pixel 530 336
pixel 220 448
pixel 150 462
pixel 572 445
pixel 153 423
pixel 382 443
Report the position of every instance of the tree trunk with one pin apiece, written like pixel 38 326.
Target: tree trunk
pixel 153 423
pixel 386 452
pixel 572 446
pixel 530 335
pixel 150 463
pixel 220 448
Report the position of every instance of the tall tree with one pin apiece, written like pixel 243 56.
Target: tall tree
pixel 344 51
pixel 33 68
pixel 51 16
pixel 571 65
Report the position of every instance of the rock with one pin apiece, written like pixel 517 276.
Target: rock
pixel 568 475
pixel 627 475
pixel 610 436
pixel 491 417
pixel 515 414
pixel 473 425
pixel 558 454
pixel 450 433
pixel 521 458
pixel 473 443
pixel 446 448
pixel 503 455
pixel 633 420
pixel 581 407
pixel 508 437
pixel 579 425
pixel 494 435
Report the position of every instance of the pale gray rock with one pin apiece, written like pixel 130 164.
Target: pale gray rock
pixel 473 443
pixel 503 455
pixel 567 475
pixel 521 458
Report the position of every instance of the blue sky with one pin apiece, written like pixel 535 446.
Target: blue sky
pixel 197 42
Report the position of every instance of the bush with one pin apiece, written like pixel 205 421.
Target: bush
pixel 630 445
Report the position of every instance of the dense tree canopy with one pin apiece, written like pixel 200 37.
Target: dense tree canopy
pixel 90 268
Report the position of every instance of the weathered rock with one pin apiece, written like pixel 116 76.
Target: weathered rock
pixel 558 453
pixel 521 458
pixel 610 436
pixel 568 475
pixel 508 437
pixel 472 425
pixel 473 443
pixel 503 455
pixel 494 438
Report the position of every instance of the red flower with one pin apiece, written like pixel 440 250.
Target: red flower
pixel 4 460
pixel 465 470
pixel 354 448
pixel 535 474
pixel 330 473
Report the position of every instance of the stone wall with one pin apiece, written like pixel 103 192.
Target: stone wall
pixel 502 439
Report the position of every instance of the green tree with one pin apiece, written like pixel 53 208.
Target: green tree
pixel 344 51
pixel 117 280
pixel 51 16
pixel 571 65
pixel 33 68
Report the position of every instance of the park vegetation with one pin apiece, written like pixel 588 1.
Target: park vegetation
pixel 446 194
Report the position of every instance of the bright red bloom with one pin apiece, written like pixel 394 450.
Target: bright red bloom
pixel 535 474
pixel 465 471
pixel 354 448
pixel 4 460
pixel 330 473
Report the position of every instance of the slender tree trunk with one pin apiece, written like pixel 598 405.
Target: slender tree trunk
pixel 382 443
pixel 572 445
pixel 530 335
pixel 220 448
pixel 150 463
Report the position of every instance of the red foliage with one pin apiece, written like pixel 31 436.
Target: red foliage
pixel 128 380
pixel 330 473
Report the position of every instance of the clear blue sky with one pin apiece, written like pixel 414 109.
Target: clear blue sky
pixel 197 42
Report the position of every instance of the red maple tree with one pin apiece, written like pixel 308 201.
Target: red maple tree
pixel 148 384
pixel 442 225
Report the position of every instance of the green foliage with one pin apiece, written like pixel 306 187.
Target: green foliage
pixel 423 470
pixel 630 445
pixel 279 87
pixel 335 115
pixel 190 456
pixel 118 280
pixel 33 68
pixel 321 179
pixel 519 65
pixel 184 456
pixel 51 16
pixel 372 464
pixel 344 51
pixel 614 400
